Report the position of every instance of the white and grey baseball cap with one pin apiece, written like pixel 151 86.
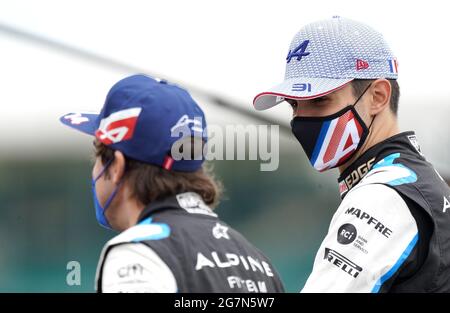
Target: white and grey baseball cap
pixel 325 56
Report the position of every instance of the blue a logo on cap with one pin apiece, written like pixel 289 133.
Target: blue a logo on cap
pixel 298 52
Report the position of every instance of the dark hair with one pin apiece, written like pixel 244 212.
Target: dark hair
pixel 359 85
pixel 150 182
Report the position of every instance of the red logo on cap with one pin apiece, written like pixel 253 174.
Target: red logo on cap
pixel 361 65
pixel 118 126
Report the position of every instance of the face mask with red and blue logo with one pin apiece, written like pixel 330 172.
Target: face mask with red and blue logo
pixel 330 141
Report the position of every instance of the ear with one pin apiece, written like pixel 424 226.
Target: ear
pixel 381 96
pixel 117 168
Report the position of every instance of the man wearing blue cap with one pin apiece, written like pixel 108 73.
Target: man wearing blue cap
pixel 391 231
pixel 148 182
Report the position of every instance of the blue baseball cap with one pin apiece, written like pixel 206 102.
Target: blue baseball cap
pixel 143 118
pixel 326 55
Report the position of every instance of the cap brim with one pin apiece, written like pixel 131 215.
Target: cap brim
pixel 83 122
pixel 298 88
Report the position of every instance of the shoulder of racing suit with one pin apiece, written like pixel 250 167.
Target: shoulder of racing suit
pixel 126 265
pixel 397 166
pixel 371 239
pixel 395 175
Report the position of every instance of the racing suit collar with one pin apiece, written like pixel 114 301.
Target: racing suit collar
pixel 353 174
pixel 189 202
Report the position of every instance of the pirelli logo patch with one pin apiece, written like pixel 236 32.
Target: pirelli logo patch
pixel 342 262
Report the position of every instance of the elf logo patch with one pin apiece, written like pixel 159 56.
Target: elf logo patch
pixel 119 126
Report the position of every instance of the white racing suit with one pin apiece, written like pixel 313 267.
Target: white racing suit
pixel 391 232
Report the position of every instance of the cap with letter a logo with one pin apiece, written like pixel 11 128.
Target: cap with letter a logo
pixel 325 56
pixel 143 117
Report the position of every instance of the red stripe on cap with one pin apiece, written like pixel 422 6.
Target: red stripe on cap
pixel 299 98
pixel 168 162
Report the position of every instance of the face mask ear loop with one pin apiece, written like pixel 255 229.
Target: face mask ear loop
pixel 104 169
pixel 111 197
pixel 372 122
pixel 357 100
pixel 367 88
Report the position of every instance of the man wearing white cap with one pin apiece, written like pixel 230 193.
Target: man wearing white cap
pixel 391 231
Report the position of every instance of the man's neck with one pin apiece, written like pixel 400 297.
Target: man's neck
pixel 382 128
pixel 128 210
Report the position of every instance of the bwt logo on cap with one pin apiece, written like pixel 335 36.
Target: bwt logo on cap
pixel 117 127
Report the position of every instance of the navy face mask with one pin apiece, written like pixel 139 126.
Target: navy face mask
pixel 99 209
pixel 330 141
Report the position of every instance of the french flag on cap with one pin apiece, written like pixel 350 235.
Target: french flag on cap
pixel 393 65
